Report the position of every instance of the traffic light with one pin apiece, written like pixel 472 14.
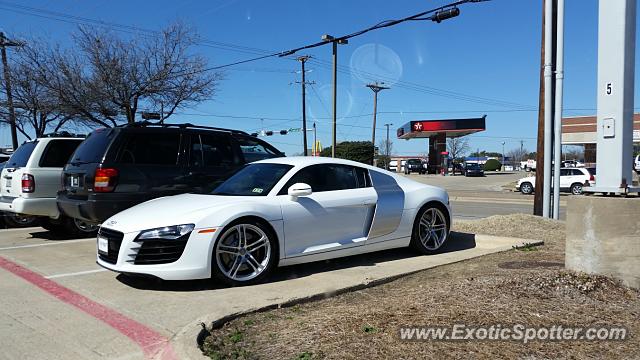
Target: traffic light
pixel 283 132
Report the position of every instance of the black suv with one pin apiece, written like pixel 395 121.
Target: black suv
pixel 117 168
pixel 414 165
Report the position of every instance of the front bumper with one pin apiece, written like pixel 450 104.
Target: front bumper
pixel 30 206
pixel 194 263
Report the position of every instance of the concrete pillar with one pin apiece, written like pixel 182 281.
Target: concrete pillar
pixel 603 237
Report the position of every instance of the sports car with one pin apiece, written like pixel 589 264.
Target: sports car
pixel 275 212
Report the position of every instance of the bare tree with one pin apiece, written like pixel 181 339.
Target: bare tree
pixel 518 154
pixel 106 79
pixel 35 105
pixel 457 147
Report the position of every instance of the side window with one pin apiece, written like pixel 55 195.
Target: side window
pixel 254 149
pixel 325 177
pixel 577 172
pixel 151 149
pixel 58 152
pixel 217 150
pixel 564 172
pixel 362 175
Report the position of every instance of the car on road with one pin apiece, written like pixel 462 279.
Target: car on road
pixel 416 166
pixel 571 180
pixel 117 168
pixel 636 164
pixel 473 169
pixel 31 180
pixel 275 212
pixel 572 163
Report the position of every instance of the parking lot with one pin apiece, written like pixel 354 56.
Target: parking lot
pixel 57 303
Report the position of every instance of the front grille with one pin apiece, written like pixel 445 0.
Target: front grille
pixel 115 240
pixel 159 251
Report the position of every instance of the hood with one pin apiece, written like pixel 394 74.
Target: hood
pixel 170 210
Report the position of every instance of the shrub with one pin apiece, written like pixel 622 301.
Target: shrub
pixel 361 151
pixel 492 165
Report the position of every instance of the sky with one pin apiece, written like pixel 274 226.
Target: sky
pixel 485 61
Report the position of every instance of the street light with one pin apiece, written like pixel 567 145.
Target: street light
pixel 335 43
pixel 503 155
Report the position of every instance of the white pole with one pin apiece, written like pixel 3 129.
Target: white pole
pixel 548 101
pixel 557 123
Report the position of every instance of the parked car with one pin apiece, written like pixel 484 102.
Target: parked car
pixel 275 212
pixel 636 164
pixel 115 169
pixel 9 219
pixel 473 169
pixel 571 180
pixel 414 165
pixel 31 180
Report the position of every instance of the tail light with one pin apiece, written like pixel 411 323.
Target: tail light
pixel 592 178
pixel 105 180
pixel 28 183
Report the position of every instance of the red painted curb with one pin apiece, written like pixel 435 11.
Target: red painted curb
pixel 153 344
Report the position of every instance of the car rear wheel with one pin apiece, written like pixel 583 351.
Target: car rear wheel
pixel 19 220
pixel 244 254
pixel 576 189
pixel 526 188
pixel 430 229
pixel 67 226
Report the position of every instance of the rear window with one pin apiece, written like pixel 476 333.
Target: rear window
pixel 414 162
pixel 592 171
pixel 58 152
pixel 93 148
pixel 21 156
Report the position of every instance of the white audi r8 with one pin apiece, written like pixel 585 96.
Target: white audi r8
pixel 275 212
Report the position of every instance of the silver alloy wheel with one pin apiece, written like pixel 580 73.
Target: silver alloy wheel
pixel 526 188
pixel 432 229
pixel 243 252
pixel 576 189
pixel 84 226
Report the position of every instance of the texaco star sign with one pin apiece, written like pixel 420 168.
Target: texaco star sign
pixel 418 126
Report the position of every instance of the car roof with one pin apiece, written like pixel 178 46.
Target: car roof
pixel 312 160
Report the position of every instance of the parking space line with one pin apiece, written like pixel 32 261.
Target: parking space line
pixel 75 273
pixel 59 242
pixel 153 344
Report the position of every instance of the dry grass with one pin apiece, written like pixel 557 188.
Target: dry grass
pixel 528 287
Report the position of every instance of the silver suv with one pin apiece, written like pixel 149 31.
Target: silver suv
pixel 30 181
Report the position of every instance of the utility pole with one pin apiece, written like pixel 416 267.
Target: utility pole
pixel 376 88
pixel 315 141
pixel 335 43
pixel 387 148
pixel 4 43
pixel 503 155
pixel 302 60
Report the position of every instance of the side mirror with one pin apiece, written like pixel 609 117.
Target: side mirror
pixel 299 189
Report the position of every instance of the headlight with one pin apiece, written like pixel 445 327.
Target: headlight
pixel 167 233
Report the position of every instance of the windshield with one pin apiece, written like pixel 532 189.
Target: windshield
pixel 473 166
pixel 253 180
pixel 21 156
pixel 414 162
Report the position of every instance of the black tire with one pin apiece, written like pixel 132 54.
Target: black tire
pixel 19 220
pixel 444 226
pixel 67 226
pixel 576 189
pixel 526 188
pixel 221 258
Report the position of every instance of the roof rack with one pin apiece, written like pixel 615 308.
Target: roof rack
pixel 181 126
pixel 63 134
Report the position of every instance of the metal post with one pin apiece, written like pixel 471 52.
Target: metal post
pixel 387 148
pixel 557 122
pixel 7 81
pixel 302 60
pixel 548 99
pixel 315 141
pixel 616 71
pixel 335 90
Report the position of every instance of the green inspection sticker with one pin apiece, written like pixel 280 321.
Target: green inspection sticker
pixel 257 190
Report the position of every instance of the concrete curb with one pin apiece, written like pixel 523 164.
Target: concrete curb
pixel 184 342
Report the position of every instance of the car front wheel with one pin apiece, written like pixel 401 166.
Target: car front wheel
pixel 430 230
pixel 526 188
pixel 244 254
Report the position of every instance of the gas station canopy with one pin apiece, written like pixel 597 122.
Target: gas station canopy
pixel 449 127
